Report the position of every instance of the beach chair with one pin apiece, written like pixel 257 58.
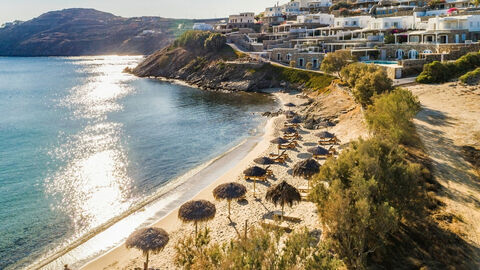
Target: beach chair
pixel 290 145
pixel 290 125
pixel 304 196
pixel 269 171
pixel 323 156
pixel 271 224
pixel 277 215
pixel 279 160
pixel 327 141
pixel 291 136
pixel 282 155
pixel 303 189
pixel 332 150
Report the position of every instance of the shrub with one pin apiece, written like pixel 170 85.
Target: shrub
pixel 366 80
pixel 335 61
pixel 262 250
pixel 437 72
pixel 390 116
pixel 309 65
pixel 196 40
pixel 340 5
pixel 361 196
pixel 471 78
pixel 293 63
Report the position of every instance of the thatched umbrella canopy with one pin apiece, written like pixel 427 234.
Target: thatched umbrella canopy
pixel 325 135
pixel 255 171
pixel 326 124
pixel 295 120
pixel 229 191
pixel 318 150
pixel 288 130
pixel 289 104
pixel 148 240
pixel 306 168
pixel 197 211
pixel 264 161
pixel 282 194
pixel 279 141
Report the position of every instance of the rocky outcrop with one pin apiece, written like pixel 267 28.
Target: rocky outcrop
pixel 222 70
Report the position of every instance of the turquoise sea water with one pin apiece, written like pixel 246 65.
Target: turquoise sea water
pixel 81 142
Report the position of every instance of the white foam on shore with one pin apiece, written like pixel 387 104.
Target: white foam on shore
pixel 150 210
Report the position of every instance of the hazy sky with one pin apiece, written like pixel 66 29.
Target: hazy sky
pixel 27 9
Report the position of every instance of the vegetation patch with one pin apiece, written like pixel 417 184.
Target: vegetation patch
pixel 471 78
pixel 437 72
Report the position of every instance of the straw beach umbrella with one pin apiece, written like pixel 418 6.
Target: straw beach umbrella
pixel 295 120
pixel 278 141
pixel 306 168
pixel 282 194
pixel 255 171
pixel 318 151
pixel 197 211
pixel 264 161
pixel 148 240
pixel 289 104
pixel 325 135
pixel 229 191
pixel 288 130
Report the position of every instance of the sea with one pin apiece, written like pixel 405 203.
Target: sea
pixel 89 153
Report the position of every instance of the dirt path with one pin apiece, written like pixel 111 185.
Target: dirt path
pixel 449 120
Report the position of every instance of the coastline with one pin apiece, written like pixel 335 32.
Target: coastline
pixel 120 255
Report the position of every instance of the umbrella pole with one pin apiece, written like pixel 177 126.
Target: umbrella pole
pixel 254 181
pixel 145 266
pixel 229 208
pixel 196 228
pixel 283 206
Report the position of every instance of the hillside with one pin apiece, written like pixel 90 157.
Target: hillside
pixel 223 68
pixel 75 32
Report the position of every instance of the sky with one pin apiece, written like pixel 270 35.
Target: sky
pixel 11 10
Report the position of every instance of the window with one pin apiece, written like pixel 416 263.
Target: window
pixel 395 24
pixel 354 23
pixel 386 25
pixel 279 57
pixel 399 54
pixel 412 54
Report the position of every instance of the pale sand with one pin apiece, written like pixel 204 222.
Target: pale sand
pixel 450 119
pixel 349 127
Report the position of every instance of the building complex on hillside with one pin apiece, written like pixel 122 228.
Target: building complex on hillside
pixel 401 35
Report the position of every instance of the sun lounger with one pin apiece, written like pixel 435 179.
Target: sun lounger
pixel 291 145
pixel 271 224
pixel 323 156
pixel 258 178
pixel 282 155
pixel 290 125
pixel 277 215
pixel 328 141
pixel 304 196
pixel 292 136
pixel 303 189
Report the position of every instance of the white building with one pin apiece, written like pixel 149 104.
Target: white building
pixel 291 8
pixel 466 22
pixel 320 18
pixel 242 18
pixel 357 21
pixel 202 27
pixel 385 23
pixel 315 3
pixel 275 11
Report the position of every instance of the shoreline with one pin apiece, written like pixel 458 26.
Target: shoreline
pixel 171 189
pixel 170 222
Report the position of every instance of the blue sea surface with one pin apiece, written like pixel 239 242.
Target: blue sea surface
pixel 81 142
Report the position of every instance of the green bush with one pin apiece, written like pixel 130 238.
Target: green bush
pixel 335 61
pixel 365 80
pixel 362 195
pixel 261 250
pixel 471 78
pixel 390 116
pixel 437 72
pixel 196 40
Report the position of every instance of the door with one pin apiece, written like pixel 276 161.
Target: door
pixel 457 38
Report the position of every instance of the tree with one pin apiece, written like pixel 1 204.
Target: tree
pixel 335 61
pixel 361 196
pixel 370 84
pixel 476 3
pixel 391 114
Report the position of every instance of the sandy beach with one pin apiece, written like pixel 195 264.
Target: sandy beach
pixel 349 126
